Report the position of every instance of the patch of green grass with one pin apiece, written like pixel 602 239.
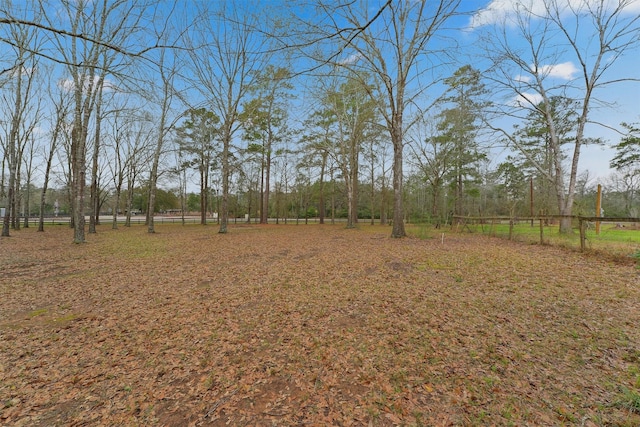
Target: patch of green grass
pixel 38 312
pixel 615 235
pixel 507 412
pixel 430 265
pixel 66 318
pixel 481 417
pixel 209 382
pixel 611 239
pixel 634 371
pixel 136 245
pixel 636 256
pixel 629 399
pixel 631 355
pixel 489 381
pixel 420 231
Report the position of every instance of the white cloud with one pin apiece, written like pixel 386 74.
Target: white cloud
pixel 499 11
pixel 68 84
pixel 39 131
pixel 565 70
pixel 527 99
pixel 634 7
pixel 351 59
pixel 18 71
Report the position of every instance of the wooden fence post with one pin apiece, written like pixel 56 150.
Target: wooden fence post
pixel 583 233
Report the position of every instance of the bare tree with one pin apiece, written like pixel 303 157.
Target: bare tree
pixel 104 23
pixel 226 56
pixel 388 45
pixel 558 48
pixel 23 40
pixel 165 122
pixel 28 156
pixel 58 122
pixel 626 183
pixel 432 156
pixel 129 141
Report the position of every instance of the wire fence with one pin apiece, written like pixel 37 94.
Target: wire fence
pixel 619 237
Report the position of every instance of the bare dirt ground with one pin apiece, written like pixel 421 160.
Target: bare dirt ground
pixel 312 325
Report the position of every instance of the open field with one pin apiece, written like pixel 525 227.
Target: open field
pixel 312 325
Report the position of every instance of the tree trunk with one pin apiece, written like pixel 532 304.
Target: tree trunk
pixel 47 171
pixel 262 195
pixel 350 196
pixel 373 191
pixel 17 197
pixel 9 215
pixel 264 210
pixel 114 218
pixel 333 200
pixel 224 208
pixel 153 177
pixel 27 204
pixel 78 184
pixel 203 195
pixel 78 190
pixel 398 211
pixel 321 207
pixel 93 194
pixel 129 203
pixel 3 192
pixel 354 185
pixel 6 222
pixel 153 181
pixel 383 195
pixel 43 195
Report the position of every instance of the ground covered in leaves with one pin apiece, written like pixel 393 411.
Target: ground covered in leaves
pixel 312 325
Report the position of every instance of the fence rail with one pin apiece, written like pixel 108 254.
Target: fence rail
pixel 65 220
pixel 135 220
pixel 584 223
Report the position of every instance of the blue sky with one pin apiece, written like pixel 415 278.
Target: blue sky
pixel 481 15
pixel 610 105
pixel 619 102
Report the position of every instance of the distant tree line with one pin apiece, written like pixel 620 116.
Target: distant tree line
pixel 369 114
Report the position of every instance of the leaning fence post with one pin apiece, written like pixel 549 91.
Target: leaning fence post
pixel 582 234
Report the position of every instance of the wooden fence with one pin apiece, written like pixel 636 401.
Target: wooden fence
pixel 583 223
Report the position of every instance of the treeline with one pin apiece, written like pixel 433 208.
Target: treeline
pixel 359 110
pixel 306 201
